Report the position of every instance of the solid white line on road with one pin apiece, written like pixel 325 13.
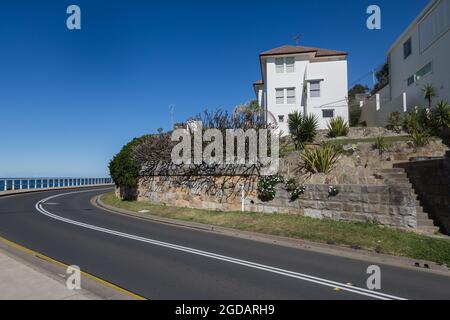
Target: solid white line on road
pixel 287 273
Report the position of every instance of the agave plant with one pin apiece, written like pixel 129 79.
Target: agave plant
pixel 302 129
pixel 338 128
pixel 381 145
pixel 319 160
pixel 441 115
pixel 420 138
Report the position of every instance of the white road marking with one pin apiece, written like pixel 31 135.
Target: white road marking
pixel 287 273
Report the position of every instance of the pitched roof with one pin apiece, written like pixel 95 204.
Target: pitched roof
pixel 300 49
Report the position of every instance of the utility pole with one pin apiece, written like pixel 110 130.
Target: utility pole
pixel 297 39
pixel 172 110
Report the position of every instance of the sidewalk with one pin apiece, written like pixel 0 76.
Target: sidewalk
pixel 19 281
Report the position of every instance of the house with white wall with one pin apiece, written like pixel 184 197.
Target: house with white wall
pixel 309 80
pixel 420 56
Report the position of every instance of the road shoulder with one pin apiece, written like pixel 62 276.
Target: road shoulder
pixel 361 255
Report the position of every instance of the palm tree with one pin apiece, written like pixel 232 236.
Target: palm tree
pixel 429 93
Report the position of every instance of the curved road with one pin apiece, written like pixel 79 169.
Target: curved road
pixel 159 261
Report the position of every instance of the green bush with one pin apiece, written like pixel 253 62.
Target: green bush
pixel 123 168
pixel 420 138
pixel 303 129
pixel 319 160
pixel 440 116
pixel 338 128
pixel 395 122
pixel 381 145
pixel 266 187
pixel 411 122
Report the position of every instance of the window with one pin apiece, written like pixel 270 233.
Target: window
pixel 424 71
pixel 290 64
pixel 314 88
pixel 279 62
pixel 411 80
pixel 280 119
pixel 328 113
pixel 283 65
pixel 290 95
pixel 407 48
pixel 280 96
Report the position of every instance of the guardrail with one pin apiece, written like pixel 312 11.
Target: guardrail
pixel 11 184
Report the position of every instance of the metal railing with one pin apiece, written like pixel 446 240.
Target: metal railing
pixel 10 184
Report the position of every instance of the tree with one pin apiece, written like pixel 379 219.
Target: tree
pixel 382 76
pixel 429 93
pixel 357 89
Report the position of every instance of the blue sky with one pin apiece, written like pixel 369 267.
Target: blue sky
pixel 70 99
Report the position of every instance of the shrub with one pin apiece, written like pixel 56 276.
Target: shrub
pixel 338 128
pixel 394 122
pixel 440 116
pixel 319 160
pixel 302 128
pixel 420 138
pixel 381 145
pixel 411 123
pixel 123 168
pixel 266 187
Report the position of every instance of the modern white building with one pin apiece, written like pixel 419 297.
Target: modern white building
pixel 421 56
pixel 309 80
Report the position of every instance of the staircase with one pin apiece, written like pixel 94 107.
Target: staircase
pixel 398 177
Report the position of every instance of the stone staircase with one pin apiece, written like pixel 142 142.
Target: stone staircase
pixel 398 177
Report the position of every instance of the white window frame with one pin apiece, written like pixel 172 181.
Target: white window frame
pixel 284 66
pixel 288 96
pixel 319 90
pixel 283 91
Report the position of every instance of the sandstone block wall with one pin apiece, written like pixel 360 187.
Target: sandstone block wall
pixel 382 204
pixel 431 180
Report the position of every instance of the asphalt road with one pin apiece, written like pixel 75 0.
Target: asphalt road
pixel 159 261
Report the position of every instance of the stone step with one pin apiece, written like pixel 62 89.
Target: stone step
pixel 393 170
pixel 428 230
pixel 425 223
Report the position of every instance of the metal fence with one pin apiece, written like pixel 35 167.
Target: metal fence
pixel 7 184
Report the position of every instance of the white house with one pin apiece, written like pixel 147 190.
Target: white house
pixel 309 80
pixel 421 56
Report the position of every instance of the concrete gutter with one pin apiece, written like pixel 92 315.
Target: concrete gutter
pixel 362 255
pixel 29 275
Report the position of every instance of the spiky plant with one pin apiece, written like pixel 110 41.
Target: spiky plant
pixel 302 129
pixel 441 115
pixel 381 145
pixel 319 160
pixel 338 128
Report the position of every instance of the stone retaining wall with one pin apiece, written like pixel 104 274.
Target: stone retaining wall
pixel 431 180
pixel 383 204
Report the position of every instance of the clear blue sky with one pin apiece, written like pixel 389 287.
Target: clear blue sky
pixel 70 99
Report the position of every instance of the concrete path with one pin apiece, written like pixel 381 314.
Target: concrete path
pixel 20 281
